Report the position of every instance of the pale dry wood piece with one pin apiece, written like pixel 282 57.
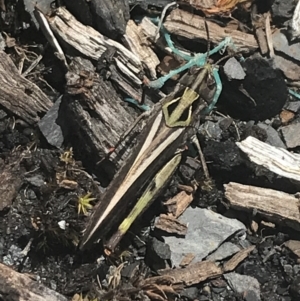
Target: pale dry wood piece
pixel 177 205
pixel 18 95
pixel 170 224
pixel 16 286
pixel 194 273
pixel 186 260
pixel 191 26
pixel 275 159
pixel 254 226
pixel 275 206
pixel 294 246
pixel 137 42
pixel 259 23
pixel 268 224
pixel 232 263
pixel 89 42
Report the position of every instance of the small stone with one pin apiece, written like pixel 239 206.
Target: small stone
pixel 36 180
pixel 129 270
pixel 207 230
pixel 291 135
pixel 242 284
pixel 250 296
pixel 281 44
pixel 273 137
pixel 49 126
pixel 190 293
pixel 233 69
pixel 293 106
pixel 157 254
pixel 282 10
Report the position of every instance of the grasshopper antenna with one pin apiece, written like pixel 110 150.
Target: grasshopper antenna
pixel 208 40
pixel 239 53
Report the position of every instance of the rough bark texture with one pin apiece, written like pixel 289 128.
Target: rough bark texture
pixel 18 95
pixel 15 286
pixel 191 26
pixel 275 206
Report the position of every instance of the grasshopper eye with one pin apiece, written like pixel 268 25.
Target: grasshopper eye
pixel 210 81
pixel 193 70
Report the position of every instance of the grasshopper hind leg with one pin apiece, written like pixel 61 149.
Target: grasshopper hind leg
pixel 218 82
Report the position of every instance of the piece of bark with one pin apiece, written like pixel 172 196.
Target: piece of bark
pixel 275 206
pixel 137 42
pixel 232 263
pixel 186 260
pixel 18 95
pixel 294 246
pixel 194 273
pixel 77 38
pixel 192 26
pixel 16 286
pixel 177 205
pixel 11 179
pixel 96 114
pixel 258 22
pixel 89 42
pixel 170 224
pixel 275 159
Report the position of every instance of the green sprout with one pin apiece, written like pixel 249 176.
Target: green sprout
pixel 84 203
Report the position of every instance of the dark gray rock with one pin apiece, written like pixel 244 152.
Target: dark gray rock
pixel 291 135
pixel 242 284
pixel 190 293
pixel 226 250
pixel 282 10
pixel 158 253
pixel 43 5
pixel 273 137
pixel 36 180
pixel 207 230
pixel 293 106
pixel 49 126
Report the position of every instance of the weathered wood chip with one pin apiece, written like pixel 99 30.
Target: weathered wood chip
pixel 194 273
pixel 186 260
pixel 170 224
pixel 294 246
pixel 20 286
pixel 89 41
pixel 177 205
pixel 136 39
pixel 18 95
pixel 232 263
pixel 192 27
pixel 275 206
pixel 275 159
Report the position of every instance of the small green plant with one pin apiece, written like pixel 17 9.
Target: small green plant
pixel 67 157
pixel 84 203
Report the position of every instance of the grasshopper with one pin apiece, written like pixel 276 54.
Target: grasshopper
pixel 153 160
